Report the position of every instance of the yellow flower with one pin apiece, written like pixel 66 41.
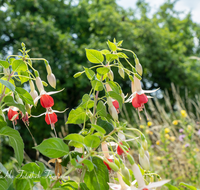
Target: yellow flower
pixel 158 142
pixel 167 130
pixel 158 158
pixel 189 127
pixel 167 136
pixel 149 123
pixel 142 126
pixel 183 113
pixel 173 138
pixel 149 132
pixel 196 150
pixel 175 122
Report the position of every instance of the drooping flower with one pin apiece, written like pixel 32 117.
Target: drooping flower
pixel 25 118
pixel 138 97
pixel 13 115
pixel 46 101
pixel 110 160
pixel 51 118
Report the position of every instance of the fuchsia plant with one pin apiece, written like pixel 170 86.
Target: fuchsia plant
pixel 101 148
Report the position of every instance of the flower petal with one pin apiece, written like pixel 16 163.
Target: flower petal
pixel 158 184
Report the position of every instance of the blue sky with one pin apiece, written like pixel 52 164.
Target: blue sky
pixel 181 5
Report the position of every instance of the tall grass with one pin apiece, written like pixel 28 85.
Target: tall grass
pixel 173 133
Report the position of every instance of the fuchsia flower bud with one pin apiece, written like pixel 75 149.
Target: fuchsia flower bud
pixel 52 80
pixel 107 165
pixel 46 101
pixel 25 118
pixel 39 84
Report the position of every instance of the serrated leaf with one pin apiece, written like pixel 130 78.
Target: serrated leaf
pixel 105 51
pixel 4 64
pixel 89 73
pixel 94 56
pixel 101 109
pixel 98 128
pixel 98 178
pixel 53 148
pixel 8 84
pixel 24 95
pixel 92 141
pixel 122 55
pixel 97 85
pixel 112 46
pixel 103 70
pixel 19 65
pixel 15 141
pixel 111 57
pixel 75 137
pixel 10 102
pixel 77 116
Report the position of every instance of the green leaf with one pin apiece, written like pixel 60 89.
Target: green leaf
pixel 112 46
pixel 87 102
pixel 101 109
pixel 70 185
pixel 24 95
pixel 8 84
pixel 19 65
pixel 77 116
pixel 45 182
pixel 117 97
pixel 4 64
pixel 94 56
pixel 83 186
pixel 98 128
pixel 75 163
pixel 2 122
pixel 53 148
pixel 92 141
pixel 3 184
pixel 23 183
pixel 90 73
pixel 108 127
pixel 103 70
pixel 111 57
pixel 24 76
pixel 114 86
pixel 78 74
pixel 105 51
pixel 187 186
pixel 66 158
pixel 98 178
pixel 120 43
pixel 89 165
pixel 122 55
pixel 97 85
pixel 171 187
pixel 32 168
pixel 75 137
pixel 10 102
pixel 15 141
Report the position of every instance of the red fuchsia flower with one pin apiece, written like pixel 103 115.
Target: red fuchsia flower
pixel 138 97
pixel 46 101
pixel 116 105
pixel 51 118
pixel 119 149
pixel 13 115
pixel 110 160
